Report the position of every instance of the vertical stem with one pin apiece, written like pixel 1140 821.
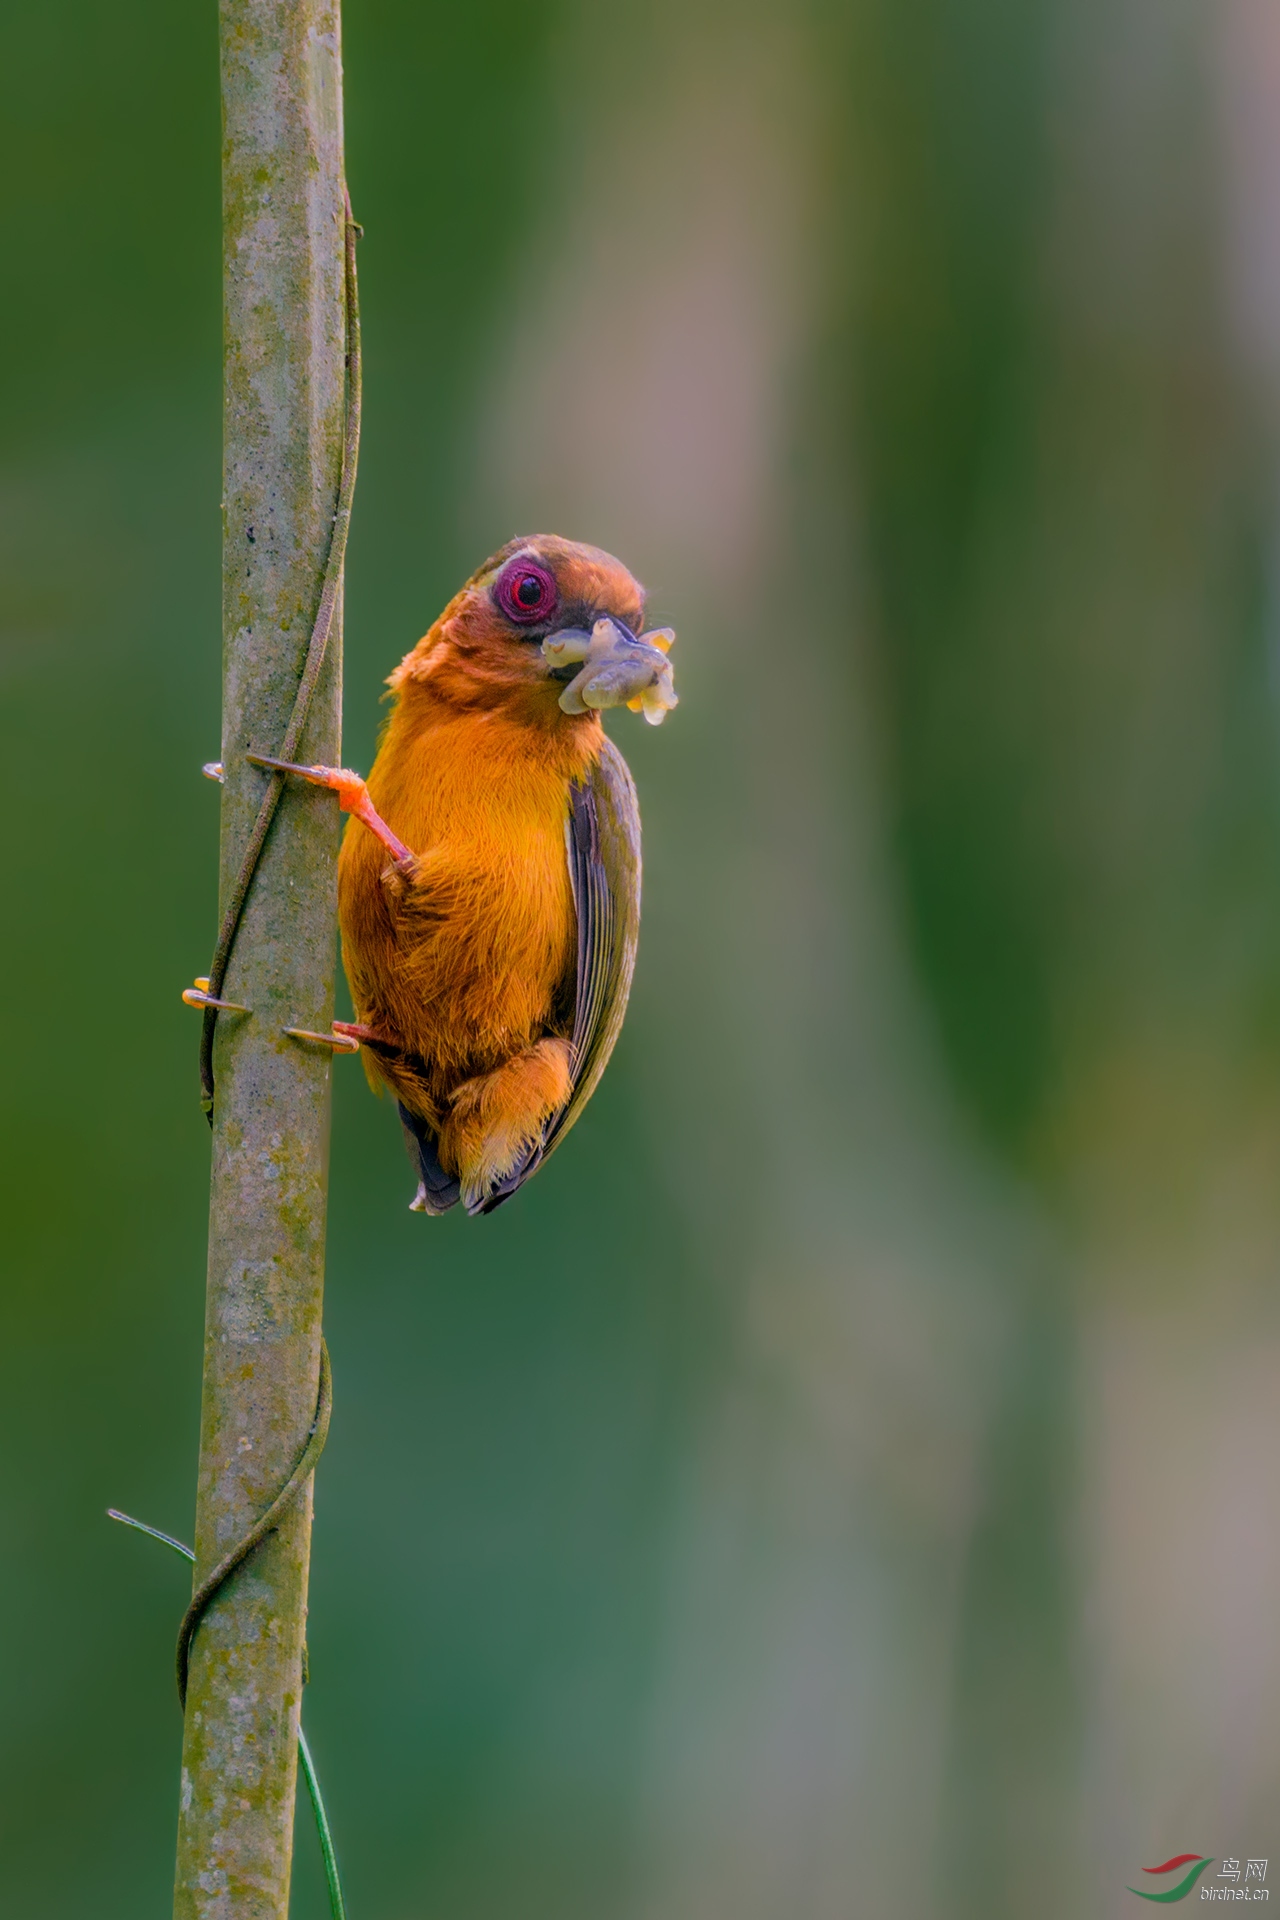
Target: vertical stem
pixel 283 227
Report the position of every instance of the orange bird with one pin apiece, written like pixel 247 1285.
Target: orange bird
pixel 491 960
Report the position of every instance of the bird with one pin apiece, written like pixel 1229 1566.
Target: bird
pixel 491 957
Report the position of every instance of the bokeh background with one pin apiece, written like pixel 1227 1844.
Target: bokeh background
pixel 846 1482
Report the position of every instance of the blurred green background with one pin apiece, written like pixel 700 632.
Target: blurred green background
pixel 845 1482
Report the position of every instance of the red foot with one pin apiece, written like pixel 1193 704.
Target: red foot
pixel 354 1031
pixel 353 797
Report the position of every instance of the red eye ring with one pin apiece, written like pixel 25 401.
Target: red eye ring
pixel 526 592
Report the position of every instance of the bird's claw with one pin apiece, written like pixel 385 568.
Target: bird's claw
pixel 340 1041
pixel 200 996
pixel 618 670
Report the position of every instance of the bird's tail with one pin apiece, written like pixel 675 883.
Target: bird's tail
pixel 503 1189
pixel 437 1190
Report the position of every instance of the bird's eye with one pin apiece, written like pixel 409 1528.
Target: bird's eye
pixel 526 592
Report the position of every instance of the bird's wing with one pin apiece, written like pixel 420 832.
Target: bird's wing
pixel 603 844
pixel 604 865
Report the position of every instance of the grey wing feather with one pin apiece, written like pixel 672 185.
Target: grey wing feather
pixel 603 844
pixel 604 866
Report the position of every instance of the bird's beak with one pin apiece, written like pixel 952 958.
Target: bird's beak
pixel 617 669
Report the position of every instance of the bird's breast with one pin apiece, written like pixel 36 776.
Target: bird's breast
pixel 475 959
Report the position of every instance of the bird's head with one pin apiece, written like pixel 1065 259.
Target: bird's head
pixel 553 626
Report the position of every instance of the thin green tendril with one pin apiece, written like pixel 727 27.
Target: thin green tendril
pixel 337 1905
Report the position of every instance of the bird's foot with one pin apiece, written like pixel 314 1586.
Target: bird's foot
pixel 357 1031
pixel 353 797
pixel 384 1044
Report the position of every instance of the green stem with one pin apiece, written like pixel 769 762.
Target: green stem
pixel 288 469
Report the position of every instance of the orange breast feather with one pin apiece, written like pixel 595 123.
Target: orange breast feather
pixel 475 958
